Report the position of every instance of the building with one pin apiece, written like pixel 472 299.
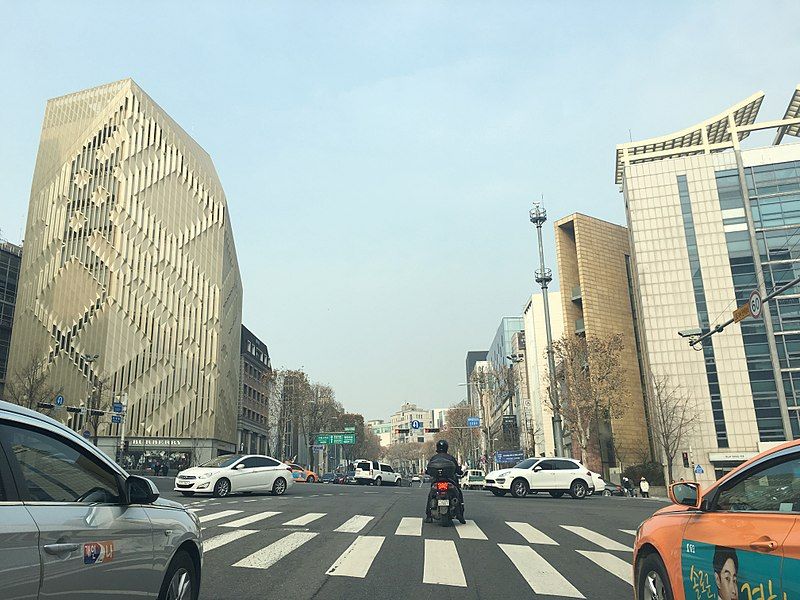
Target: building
pixel 593 268
pixel 404 418
pixel 382 429
pixel 710 221
pixel 439 418
pixel 10 259
pixel 254 425
pixel 130 277
pixel 502 393
pixel 536 418
pixel 473 357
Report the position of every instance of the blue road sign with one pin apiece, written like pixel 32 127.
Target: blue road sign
pixel 59 400
pixel 416 424
pixel 508 456
pixel 87 434
pixel 116 418
pixel 473 422
pixel 698 469
pixel 117 408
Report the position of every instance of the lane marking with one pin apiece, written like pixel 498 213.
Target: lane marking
pixel 251 519
pixel 410 526
pixel 305 519
pixel 219 515
pixel 354 524
pixel 470 531
pixel 226 538
pixel 195 510
pixel 604 542
pixel 358 558
pixel 531 534
pixel 268 556
pixel 372 492
pixel 442 564
pixel 327 494
pixel 629 531
pixel 253 500
pixel 613 564
pixel 541 576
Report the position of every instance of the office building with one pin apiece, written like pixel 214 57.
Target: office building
pixel 710 221
pixel 501 398
pixel 10 259
pixel 255 424
pixel 130 277
pixel 403 420
pixel 473 357
pixel 593 266
pixel 382 429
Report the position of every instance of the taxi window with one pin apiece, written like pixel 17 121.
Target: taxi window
pixel 773 487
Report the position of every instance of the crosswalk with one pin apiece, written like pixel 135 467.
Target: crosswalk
pixel 524 548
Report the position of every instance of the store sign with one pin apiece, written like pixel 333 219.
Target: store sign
pixel 159 442
pixel 730 456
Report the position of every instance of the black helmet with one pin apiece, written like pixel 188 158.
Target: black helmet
pixel 442 446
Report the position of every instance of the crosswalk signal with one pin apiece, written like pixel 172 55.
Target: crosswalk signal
pixel 686 459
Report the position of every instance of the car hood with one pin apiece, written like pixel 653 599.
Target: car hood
pixel 495 474
pixel 198 471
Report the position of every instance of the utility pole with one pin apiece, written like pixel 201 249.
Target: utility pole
pixel 544 276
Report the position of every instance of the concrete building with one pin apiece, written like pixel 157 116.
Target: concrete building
pixel 10 260
pixel 502 398
pixel 253 427
pixel 403 418
pixel 536 418
pixel 129 255
pixel 593 268
pixel 710 221
pixel 473 357
pixel 382 429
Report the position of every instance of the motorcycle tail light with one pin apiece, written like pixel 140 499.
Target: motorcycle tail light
pixel 441 486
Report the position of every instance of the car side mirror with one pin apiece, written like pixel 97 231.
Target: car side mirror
pixel 537 469
pixel 239 467
pixel 686 493
pixel 140 490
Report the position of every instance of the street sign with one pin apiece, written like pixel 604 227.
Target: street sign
pixel 349 429
pixel 117 408
pixel 59 400
pixel 87 434
pixel 416 424
pixel 334 438
pixel 741 313
pixel 508 456
pixel 318 448
pixel 473 422
pixel 756 305
pixel 698 470
pixel 116 418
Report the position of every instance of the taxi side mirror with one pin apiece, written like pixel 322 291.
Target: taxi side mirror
pixel 686 493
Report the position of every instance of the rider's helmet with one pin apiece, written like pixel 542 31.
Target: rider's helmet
pixel 442 446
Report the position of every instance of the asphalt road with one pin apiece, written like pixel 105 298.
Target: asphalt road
pixel 332 542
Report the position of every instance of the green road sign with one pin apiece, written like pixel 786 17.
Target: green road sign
pixel 349 429
pixel 335 438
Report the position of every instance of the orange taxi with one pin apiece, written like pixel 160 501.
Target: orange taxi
pixel 302 474
pixel 737 540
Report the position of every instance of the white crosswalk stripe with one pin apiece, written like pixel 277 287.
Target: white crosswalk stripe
pixel 251 519
pixel 305 519
pixel 604 542
pixel 442 564
pixel 541 576
pixel 410 526
pixel 354 524
pixel 629 531
pixel 218 515
pixel 531 534
pixel 226 538
pixel 358 558
pixel 613 564
pixel 195 510
pixel 266 557
pixel 470 531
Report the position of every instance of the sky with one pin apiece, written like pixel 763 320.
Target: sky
pixel 379 158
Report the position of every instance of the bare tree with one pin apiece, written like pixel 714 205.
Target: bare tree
pixel 30 384
pixel 462 439
pixel 673 417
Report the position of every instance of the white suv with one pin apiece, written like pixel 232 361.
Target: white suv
pixel 555 475
pixel 375 473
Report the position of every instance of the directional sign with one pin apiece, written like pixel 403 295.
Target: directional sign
pixel 415 424
pixel 349 429
pixel 473 421
pixel 698 469
pixel 59 400
pixel 116 418
pixel 508 456
pixel 756 305
pixel 318 448
pixel 117 408
pixel 334 438
pixel 87 434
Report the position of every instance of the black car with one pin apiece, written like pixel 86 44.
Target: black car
pixel 613 489
pixel 328 478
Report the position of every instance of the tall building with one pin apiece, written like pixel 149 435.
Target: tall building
pixel 500 411
pixel 473 357
pixel 10 259
pixel 536 418
pixel 129 256
pixel 711 221
pixel 254 425
pixel 593 268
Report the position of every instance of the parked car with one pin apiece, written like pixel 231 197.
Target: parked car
pixel 557 476
pixel 599 484
pixel 67 510
pixel 234 473
pixel 350 478
pixel 300 473
pixel 473 479
pixel 415 479
pixel 328 478
pixel 372 472
pixel 739 535
pixel 614 489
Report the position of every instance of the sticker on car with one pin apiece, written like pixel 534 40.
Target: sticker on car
pixel 98 552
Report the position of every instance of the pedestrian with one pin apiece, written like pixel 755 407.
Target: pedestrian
pixel 644 487
pixel 626 483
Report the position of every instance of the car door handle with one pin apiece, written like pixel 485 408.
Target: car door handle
pixel 764 545
pixel 60 548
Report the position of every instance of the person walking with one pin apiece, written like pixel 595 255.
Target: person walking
pixel 644 487
pixel 626 483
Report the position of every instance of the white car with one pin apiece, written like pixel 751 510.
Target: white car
pixel 599 483
pixel 473 479
pixel 373 472
pixel 554 475
pixel 232 473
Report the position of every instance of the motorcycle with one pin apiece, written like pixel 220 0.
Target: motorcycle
pixel 443 500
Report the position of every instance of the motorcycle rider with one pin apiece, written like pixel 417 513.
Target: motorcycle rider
pixel 441 453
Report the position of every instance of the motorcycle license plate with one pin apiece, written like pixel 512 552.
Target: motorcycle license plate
pixel 444 502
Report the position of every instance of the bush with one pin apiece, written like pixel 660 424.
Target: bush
pixel 651 470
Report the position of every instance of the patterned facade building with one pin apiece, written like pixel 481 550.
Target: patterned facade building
pixel 129 255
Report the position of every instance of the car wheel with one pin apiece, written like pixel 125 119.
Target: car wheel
pixel 279 487
pixel 499 492
pixel 578 489
pixel 181 581
pixel 222 488
pixel 378 481
pixel 556 494
pixel 653 582
pixel 606 493
pixel 188 493
pixel 519 488
pixel 398 483
pixel 310 479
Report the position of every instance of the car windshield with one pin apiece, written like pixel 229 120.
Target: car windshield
pixel 222 461
pixel 525 464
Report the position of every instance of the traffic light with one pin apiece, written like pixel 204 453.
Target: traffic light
pixel 125 445
pixel 402 430
pixel 97 413
pixel 74 409
pixel 686 459
pixel 431 430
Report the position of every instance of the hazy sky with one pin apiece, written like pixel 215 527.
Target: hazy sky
pixel 379 158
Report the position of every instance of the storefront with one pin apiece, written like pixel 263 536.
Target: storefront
pixel 161 455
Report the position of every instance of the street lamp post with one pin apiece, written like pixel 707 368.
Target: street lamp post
pixel 90 358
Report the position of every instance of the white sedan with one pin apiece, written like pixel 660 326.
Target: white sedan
pixel 232 473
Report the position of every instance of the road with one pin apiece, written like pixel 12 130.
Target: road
pixel 333 542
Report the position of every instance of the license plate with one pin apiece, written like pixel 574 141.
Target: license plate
pixel 444 502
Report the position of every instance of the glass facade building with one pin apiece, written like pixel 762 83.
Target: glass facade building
pixel 10 259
